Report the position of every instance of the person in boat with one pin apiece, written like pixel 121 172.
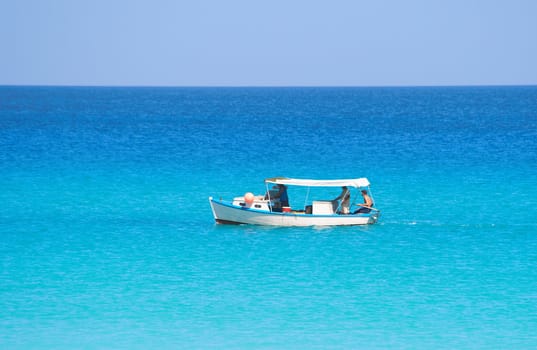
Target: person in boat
pixel 282 196
pixel 345 197
pixel 366 205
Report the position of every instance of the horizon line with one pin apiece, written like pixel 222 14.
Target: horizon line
pixel 266 86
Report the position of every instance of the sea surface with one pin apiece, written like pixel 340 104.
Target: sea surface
pixel 107 240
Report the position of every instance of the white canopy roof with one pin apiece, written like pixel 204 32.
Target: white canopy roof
pixel 361 182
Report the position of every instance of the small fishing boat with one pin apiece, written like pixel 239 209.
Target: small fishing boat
pixel 273 208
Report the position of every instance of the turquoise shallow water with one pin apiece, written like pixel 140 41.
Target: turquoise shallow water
pixel 107 239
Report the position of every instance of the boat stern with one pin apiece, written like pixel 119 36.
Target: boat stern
pixel 373 218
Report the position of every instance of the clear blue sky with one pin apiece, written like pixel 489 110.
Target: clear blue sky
pixel 268 43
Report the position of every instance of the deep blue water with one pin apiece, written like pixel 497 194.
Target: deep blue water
pixel 107 239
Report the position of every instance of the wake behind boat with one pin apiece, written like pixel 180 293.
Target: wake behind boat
pixel 273 207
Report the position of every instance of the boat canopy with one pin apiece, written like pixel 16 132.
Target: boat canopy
pixel 361 182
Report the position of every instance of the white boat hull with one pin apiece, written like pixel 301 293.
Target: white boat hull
pixel 227 213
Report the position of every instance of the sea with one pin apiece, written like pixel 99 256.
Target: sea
pixel 107 240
